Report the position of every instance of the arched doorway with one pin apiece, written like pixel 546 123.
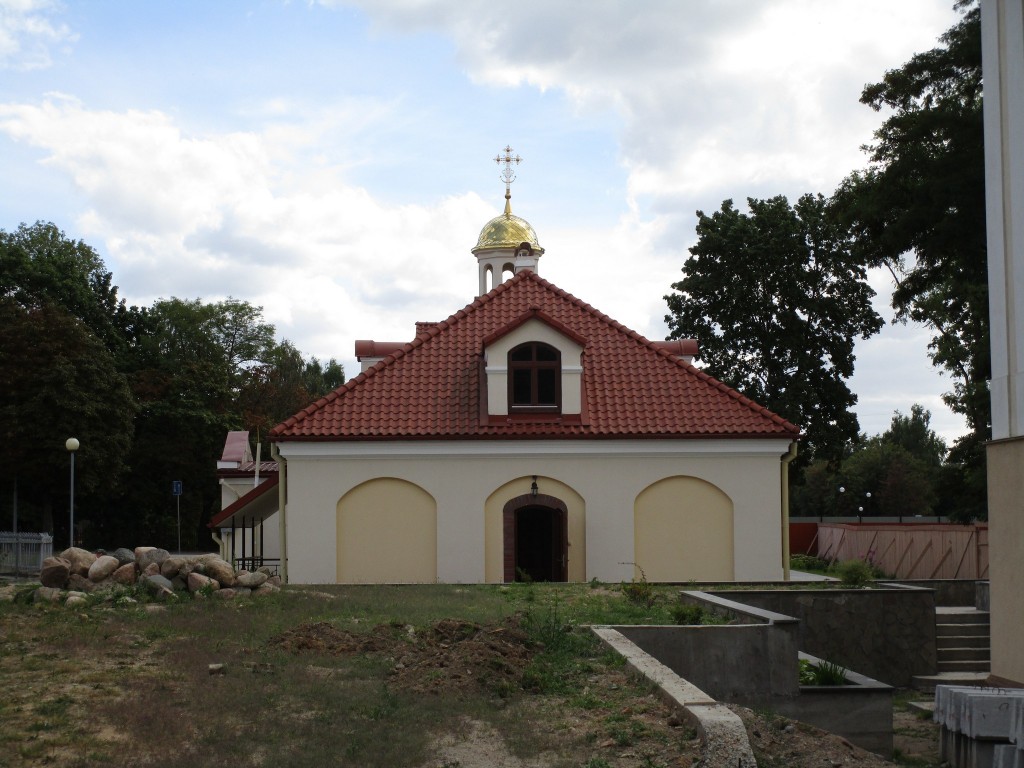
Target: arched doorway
pixel 536 533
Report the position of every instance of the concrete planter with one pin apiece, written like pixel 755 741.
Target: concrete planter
pixel 861 710
pixel 753 661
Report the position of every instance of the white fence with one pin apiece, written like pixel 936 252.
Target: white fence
pixel 23 553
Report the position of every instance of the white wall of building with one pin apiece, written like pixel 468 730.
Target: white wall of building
pixel 461 475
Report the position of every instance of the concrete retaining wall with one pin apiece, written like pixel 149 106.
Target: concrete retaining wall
pixel 887 634
pixel 752 665
pixel 754 662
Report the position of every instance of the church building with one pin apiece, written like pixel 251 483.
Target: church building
pixel 530 436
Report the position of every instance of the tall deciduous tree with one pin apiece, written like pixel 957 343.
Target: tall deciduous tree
pixel 57 380
pixel 39 265
pixel 918 209
pixel 776 300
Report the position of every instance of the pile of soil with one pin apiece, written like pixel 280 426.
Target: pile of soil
pixel 451 656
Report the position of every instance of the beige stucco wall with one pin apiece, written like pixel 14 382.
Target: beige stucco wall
pixel 1006 553
pixel 462 476
pixel 683 529
pixel 493 532
pixel 386 531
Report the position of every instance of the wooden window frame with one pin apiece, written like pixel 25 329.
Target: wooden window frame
pixel 534 366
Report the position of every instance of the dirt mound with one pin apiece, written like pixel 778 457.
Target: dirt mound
pixel 325 638
pixel 449 656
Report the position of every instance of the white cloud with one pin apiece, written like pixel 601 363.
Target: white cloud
pixel 27 34
pixel 214 215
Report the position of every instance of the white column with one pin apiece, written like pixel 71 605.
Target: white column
pixel 1003 55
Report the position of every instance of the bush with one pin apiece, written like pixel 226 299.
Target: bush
pixel 688 614
pixel 855 573
pixel 808 563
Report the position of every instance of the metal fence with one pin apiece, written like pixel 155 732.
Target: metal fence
pixel 23 553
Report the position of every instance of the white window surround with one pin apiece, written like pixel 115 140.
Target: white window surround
pixel 496 366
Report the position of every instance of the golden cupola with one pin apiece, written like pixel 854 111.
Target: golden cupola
pixel 507 243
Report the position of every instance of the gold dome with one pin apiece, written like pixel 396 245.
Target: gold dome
pixel 507 231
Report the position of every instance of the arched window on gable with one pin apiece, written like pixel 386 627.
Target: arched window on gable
pixel 534 378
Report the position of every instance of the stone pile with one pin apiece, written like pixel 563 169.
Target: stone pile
pixel 75 573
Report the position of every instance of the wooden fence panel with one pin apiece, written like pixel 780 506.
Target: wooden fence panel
pixel 910 550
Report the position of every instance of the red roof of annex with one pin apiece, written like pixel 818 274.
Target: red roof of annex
pixel 431 388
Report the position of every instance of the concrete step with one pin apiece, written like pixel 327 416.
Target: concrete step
pixel 956 615
pixel 955 630
pixel 928 682
pixel 965 666
pixel 962 641
pixel 963 654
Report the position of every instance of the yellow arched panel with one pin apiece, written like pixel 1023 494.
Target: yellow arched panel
pixel 494 540
pixel 683 530
pixel 387 534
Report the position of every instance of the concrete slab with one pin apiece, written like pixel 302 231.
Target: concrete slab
pixel 986 714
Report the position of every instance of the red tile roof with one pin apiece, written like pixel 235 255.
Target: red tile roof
pixel 431 387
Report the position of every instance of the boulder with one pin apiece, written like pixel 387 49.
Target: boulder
pixel 124 575
pixel 171 567
pixel 274 581
pixel 151 555
pixel 218 569
pixel 80 583
pixel 196 582
pixel 81 560
pixel 55 572
pixel 47 595
pixel 102 568
pixel 250 580
pixel 124 555
pixel 150 570
pixel 225 594
pixel 242 591
pixel 154 583
pixel 266 588
pixel 75 598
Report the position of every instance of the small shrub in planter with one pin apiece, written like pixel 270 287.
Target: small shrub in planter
pixel 823 673
pixel 855 573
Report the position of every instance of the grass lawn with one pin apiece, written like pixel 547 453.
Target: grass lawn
pixel 334 675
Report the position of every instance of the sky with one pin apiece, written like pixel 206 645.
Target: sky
pixel 333 162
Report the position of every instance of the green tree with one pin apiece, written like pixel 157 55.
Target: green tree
pixel 918 210
pixel 190 360
pixel 58 381
pixel 319 378
pixel 902 469
pixel 40 266
pixel 915 435
pixel 776 300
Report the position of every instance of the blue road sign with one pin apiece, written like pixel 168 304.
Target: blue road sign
pixel 176 487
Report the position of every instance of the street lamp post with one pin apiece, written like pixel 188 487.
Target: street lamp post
pixel 72 446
